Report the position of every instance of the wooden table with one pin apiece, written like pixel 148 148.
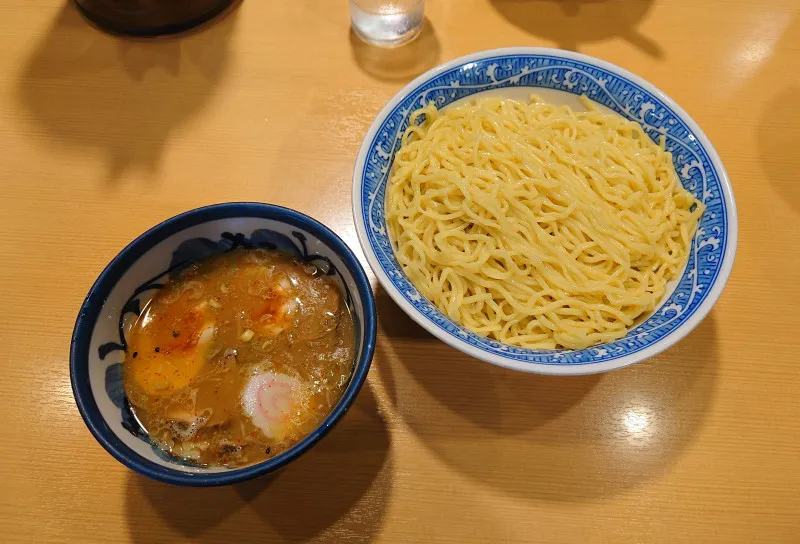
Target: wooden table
pixel 101 138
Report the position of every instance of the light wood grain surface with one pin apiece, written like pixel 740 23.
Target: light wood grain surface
pixel 101 138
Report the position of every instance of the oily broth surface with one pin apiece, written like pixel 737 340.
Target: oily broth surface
pixel 245 331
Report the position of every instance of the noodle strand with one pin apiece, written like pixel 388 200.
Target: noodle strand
pixel 537 225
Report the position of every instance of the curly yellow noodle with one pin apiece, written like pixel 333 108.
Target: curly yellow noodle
pixel 537 225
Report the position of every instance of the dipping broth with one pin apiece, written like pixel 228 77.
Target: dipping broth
pixel 239 358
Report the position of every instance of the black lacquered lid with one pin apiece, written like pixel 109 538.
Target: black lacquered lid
pixel 151 17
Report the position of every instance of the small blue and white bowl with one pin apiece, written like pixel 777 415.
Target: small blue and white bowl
pixel 118 295
pixel 559 77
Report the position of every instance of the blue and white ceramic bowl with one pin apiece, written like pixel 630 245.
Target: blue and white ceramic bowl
pixel 114 301
pixel 559 76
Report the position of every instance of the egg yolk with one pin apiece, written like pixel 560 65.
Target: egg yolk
pixel 165 359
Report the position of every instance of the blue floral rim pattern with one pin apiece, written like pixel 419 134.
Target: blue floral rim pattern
pixel 91 309
pixel 624 96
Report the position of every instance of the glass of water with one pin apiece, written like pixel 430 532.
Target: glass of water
pixel 387 23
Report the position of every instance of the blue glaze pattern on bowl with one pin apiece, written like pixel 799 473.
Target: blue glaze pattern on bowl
pixel 120 293
pixel 696 162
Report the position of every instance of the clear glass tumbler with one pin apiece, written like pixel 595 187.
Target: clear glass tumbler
pixel 387 23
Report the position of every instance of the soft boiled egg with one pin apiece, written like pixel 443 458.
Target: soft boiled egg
pixel 163 360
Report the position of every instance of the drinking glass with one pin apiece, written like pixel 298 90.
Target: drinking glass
pixel 387 23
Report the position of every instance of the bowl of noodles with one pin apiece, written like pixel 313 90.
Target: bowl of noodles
pixel 544 211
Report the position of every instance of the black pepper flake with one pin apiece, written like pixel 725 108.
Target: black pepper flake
pixel 268 450
pixel 175 334
pixel 135 354
pixel 158 350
